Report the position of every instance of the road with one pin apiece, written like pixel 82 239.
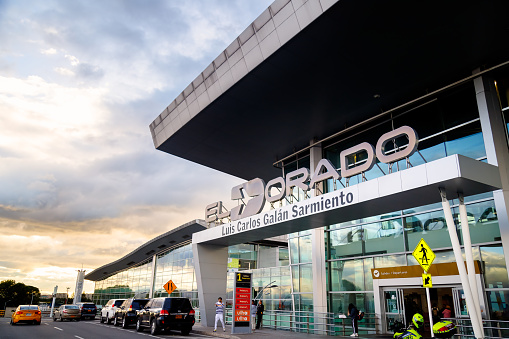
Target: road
pixel 79 330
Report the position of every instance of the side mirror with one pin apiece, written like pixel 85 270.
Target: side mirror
pixel 12 311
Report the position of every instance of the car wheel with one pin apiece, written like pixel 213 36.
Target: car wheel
pixel 138 325
pixel 78 319
pixel 185 330
pixel 115 321
pixel 102 319
pixel 38 322
pixel 12 323
pixel 108 319
pixel 124 323
pixel 153 327
pixel 61 319
pixel 54 319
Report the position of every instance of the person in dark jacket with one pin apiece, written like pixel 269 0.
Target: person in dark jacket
pixel 259 314
pixel 353 313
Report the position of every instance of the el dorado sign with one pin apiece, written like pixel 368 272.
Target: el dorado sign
pixel 259 192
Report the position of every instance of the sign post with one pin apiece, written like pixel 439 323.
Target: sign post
pixel 241 322
pixel 53 302
pixel 425 256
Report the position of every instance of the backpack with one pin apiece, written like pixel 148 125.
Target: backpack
pixel 361 315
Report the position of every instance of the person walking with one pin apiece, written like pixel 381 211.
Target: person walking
pixel 253 315
pixel 353 313
pixel 219 313
pixel 259 314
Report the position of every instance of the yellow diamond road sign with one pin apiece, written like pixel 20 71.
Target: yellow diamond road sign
pixel 170 287
pixel 426 280
pixel 424 255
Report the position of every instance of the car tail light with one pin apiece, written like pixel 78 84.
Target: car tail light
pixel 37 312
pixel 65 311
pixel 19 312
pixel 191 312
pixel 164 312
pixel 130 308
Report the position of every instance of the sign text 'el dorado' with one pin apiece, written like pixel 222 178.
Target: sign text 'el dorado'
pixel 279 188
pixel 170 287
pixel 426 280
pixel 424 255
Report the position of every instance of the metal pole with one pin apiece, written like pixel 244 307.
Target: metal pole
pixel 430 312
pixel 461 266
pixel 469 256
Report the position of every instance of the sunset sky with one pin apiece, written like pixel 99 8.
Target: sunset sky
pixel 81 183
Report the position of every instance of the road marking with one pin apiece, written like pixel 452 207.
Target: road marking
pixel 58 328
pixel 79 337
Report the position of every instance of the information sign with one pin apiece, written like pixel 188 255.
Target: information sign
pixel 424 255
pixel 242 303
pixel 170 286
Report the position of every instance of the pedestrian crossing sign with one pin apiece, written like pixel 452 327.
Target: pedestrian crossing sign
pixel 424 255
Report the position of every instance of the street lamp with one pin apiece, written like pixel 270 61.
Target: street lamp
pixel 67 295
pixel 269 285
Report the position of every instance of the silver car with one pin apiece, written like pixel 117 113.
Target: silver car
pixel 67 312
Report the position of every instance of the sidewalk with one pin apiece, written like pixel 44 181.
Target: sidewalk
pixel 268 333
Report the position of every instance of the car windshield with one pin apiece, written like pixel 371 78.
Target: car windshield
pixel 177 304
pixel 88 306
pixel 24 308
pixel 71 307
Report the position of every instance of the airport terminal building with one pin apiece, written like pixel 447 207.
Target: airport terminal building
pixel 360 128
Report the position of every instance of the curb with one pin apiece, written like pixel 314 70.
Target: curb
pixel 215 334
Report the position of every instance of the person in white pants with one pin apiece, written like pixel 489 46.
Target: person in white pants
pixel 253 315
pixel 219 313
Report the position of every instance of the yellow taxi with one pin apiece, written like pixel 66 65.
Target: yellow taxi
pixel 26 314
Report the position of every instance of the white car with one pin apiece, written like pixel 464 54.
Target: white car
pixel 108 311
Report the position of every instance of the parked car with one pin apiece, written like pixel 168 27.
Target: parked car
pixel 69 312
pixel 127 312
pixel 87 309
pixel 167 314
pixel 108 311
pixel 26 314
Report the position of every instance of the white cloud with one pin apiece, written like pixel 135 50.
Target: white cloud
pixel 49 51
pixel 77 163
pixel 64 71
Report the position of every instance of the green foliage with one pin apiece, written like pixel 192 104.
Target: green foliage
pixel 15 294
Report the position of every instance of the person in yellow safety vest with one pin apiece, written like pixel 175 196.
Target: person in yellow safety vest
pixel 412 332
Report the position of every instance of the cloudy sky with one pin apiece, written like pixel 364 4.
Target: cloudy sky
pixel 81 183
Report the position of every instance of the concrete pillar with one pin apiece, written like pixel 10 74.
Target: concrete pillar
pixel 497 152
pixel 318 251
pixel 210 264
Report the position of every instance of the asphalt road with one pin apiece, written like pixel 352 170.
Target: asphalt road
pixel 85 329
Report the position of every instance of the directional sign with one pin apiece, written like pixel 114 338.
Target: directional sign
pixel 170 287
pixel 426 280
pixel 424 255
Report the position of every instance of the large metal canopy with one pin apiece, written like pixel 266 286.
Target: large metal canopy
pixel 172 238
pixel 326 76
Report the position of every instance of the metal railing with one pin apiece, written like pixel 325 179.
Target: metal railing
pixel 314 322
pixel 493 329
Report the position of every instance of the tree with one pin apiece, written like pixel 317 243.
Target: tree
pixel 13 293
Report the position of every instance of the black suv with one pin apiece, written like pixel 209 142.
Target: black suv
pixel 127 312
pixel 167 314
pixel 88 310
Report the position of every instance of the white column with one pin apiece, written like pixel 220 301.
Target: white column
pixel 461 266
pixel 210 264
pixel 497 152
pixel 318 252
pixel 469 256
pixel 153 277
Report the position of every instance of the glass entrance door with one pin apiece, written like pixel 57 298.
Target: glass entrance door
pixel 394 309
pixel 460 303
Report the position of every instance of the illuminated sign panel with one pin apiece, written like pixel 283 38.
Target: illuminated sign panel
pixel 242 303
